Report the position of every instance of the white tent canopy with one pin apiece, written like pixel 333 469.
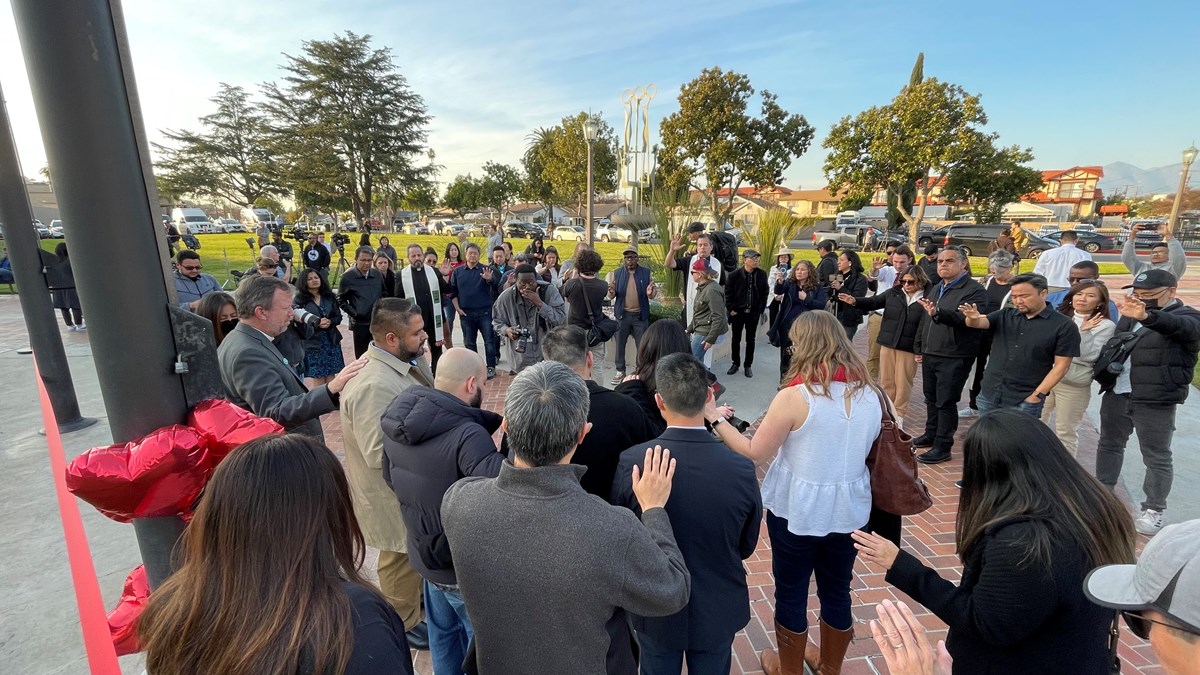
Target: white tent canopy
pixel 1025 212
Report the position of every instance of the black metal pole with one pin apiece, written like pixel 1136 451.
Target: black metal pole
pixel 23 252
pixel 82 83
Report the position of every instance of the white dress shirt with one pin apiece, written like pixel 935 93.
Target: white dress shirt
pixel 1055 264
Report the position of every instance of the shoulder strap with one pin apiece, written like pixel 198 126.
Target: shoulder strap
pixel 587 301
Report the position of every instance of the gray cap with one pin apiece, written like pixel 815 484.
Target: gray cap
pixel 1165 579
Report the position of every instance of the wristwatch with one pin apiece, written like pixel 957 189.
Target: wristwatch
pixel 1040 395
pixel 718 421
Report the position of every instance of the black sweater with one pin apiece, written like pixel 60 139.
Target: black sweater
pixel 947 333
pixel 1011 615
pixel 901 320
pixel 853 284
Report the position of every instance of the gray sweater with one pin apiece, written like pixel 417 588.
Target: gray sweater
pixel 1176 259
pixel 543 566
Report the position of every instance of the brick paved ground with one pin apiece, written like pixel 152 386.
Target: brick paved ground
pixel 929 535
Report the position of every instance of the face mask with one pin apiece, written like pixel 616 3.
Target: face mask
pixel 228 325
pixel 1150 303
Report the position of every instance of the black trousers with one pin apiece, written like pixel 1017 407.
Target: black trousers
pixel 435 352
pixel 985 350
pixel 943 378
pixel 362 337
pixel 748 322
pixel 72 317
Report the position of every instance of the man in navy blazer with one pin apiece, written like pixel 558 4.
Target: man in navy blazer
pixel 715 511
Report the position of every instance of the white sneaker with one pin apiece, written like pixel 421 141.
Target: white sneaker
pixel 1149 523
pixel 967 413
pixel 71 329
pixel 81 327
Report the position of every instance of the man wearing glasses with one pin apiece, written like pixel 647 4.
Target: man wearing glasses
pixel 946 348
pixel 631 289
pixel 1083 272
pixel 1159 597
pixel 190 283
pixel 1150 386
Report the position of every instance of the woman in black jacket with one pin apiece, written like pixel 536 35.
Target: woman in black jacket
pixel 852 283
pixel 801 293
pixel 1025 549
pixel 323 350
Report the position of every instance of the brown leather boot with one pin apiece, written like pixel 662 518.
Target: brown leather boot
pixel 832 653
pixel 790 658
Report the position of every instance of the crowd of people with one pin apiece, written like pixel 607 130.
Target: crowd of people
pixel 605 530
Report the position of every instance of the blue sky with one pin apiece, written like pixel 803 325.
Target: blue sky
pixel 1080 83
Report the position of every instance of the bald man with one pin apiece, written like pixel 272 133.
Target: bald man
pixel 434 436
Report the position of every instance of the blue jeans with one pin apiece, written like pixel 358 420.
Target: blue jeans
pixel 449 627
pixel 698 350
pixel 714 659
pixel 480 321
pixel 987 404
pixel 794 560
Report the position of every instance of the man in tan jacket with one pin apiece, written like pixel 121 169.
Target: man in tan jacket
pixel 395 362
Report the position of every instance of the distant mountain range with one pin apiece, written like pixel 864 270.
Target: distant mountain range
pixel 1128 179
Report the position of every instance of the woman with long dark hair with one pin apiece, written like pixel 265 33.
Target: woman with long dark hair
pixel 850 281
pixel 323 358
pixel 386 267
pixel 536 251
pixel 62 290
pixel 1087 304
pixel 269 582
pixel 778 274
pixel 220 309
pixel 452 260
pixel 663 337
pixel 1031 524
pixel 801 293
pixel 549 268
pixel 816 436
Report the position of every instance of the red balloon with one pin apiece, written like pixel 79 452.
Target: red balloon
pixel 122 621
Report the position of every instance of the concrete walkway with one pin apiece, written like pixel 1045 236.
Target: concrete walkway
pixel 39 626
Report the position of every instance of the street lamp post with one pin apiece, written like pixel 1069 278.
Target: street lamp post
pixel 591 129
pixel 1189 156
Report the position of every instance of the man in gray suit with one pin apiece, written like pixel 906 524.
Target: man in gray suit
pixel 260 379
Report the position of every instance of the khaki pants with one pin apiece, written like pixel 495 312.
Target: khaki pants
pixel 896 372
pixel 401 585
pixel 873 323
pixel 1069 402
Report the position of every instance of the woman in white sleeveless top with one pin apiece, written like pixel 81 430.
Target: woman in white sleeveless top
pixel 816 436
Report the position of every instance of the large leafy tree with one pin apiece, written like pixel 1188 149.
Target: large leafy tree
pixel 500 184
pixel 228 158
pixel 556 162
pixel 535 188
pixel 715 143
pixel 462 195
pixel 347 122
pixel 991 178
pixel 930 128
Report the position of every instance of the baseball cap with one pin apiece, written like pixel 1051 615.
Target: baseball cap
pixel 628 250
pixel 1165 579
pixel 751 253
pixel 701 265
pixel 1151 279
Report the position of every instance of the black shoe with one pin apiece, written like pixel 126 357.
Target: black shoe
pixel 491 373
pixel 958 484
pixel 923 441
pixel 934 456
pixel 749 373
pixel 733 369
pixel 418 637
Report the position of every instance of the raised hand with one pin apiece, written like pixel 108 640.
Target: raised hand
pixel 676 242
pixel 847 298
pixel 1092 322
pixel 930 307
pixel 877 263
pixel 902 642
pixel 969 310
pixel 652 485
pixel 1133 308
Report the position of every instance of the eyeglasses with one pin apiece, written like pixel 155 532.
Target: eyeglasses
pixel 193 268
pixel 1139 625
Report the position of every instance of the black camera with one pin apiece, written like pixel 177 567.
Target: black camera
pixel 522 340
pixel 340 240
pixel 298 234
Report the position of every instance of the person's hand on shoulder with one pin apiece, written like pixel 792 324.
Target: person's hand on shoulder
pixel 652 485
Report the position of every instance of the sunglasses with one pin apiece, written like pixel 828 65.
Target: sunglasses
pixel 1140 625
pixel 1086 280
pixel 193 268
pixel 908 282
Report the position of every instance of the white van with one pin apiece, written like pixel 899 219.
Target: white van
pixel 847 218
pixel 252 217
pixel 191 221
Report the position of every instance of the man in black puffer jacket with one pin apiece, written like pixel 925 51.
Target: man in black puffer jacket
pixel 432 438
pixel 1154 382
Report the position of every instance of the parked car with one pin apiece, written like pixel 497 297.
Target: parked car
pixel 191 221
pixel 477 229
pixel 1085 227
pixel 927 237
pixel 610 232
pixel 973 239
pixel 1047 230
pixel 350 225
pixel 851 236
pixel 569 233
pixel 56 229
pixel 648 235
pixel 517 229
pixel 228 225
pixel 1091 242
pixel 446 226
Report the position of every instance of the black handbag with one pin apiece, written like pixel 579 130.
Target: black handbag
pixel 603 328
